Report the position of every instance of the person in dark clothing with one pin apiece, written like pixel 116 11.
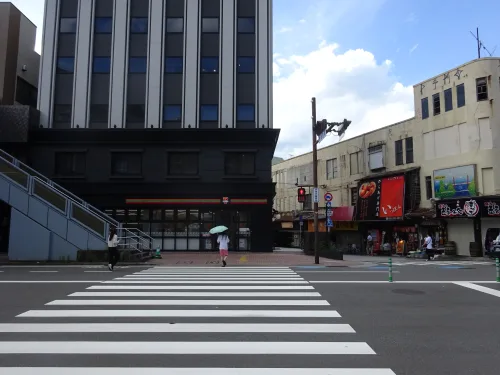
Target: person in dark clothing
pixel 113 254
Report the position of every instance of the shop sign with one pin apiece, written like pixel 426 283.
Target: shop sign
pixel 381 199
pixel 490 208
pixel 225 200
pixel 461 208
pixel 345 225
pixel 457 182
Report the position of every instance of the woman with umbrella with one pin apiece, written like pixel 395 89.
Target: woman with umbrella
pixel 223 241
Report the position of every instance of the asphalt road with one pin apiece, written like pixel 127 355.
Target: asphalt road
pixel 249 321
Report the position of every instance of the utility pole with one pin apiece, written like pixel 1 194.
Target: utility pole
pixel 315 179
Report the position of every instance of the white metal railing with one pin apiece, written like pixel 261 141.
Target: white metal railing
pixel 68 203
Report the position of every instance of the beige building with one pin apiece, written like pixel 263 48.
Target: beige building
pixel 19 63
pixel 453 140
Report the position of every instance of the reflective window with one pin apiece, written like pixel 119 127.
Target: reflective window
pixel 246 64
pixel 67 25
pixel 102 64
pixel 209 64
pixel 126 163
pixel 103 25
pixel 138 25
pixel 210 25
pixel 172 113
pixel 99 113
pixel 239 163
pixel 138 65
pixel 175 25
pixel 65 65
pixel 62 113
pixel 173 65
pixel 246 25
pixel 136 112
pixel 209 112
pixel 245 112
pixel 183 163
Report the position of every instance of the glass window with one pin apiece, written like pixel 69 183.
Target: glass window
pixel 209 112
pixel 67 26
pixel 246 64
pixel 409 150
pixel 210 25
pixel 482 89
pixel 398 145
pixel 460 95
pixel 103 25
pixel 448 100
pixel 138 65
pixel 145 214
pixel 133 214
pixel 246 25
pixel 245 112
pixel 175 25
pixel 173 65
pixel 425 108
pixel 70 164
pixel 156 215
pixel 436 104
pixel 126 164
pixel 239 163
pixel 99 113
pixel 183 163
pixel 62 113
pixel 194 215
pixel 65 65
pixel 209 64
pixel 181 215
pixel 136 112
pixel 207 216
pixel 169 215
pixel 172 112
pixel 102 64
pixel 139 25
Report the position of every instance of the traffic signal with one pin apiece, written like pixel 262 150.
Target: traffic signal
pixel 301 195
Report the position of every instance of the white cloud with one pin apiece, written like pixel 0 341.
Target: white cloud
pixel 302 21
pixel 351 85
pixel 285 30
pixel 413 48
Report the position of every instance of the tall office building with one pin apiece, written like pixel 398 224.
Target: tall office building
pixel 160 113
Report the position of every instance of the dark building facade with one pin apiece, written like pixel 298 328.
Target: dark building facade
pixel 160 113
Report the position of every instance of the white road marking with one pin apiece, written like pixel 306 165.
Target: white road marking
pixel 45 271
pixel 181 302
pixel 479 288
pixel 106 271
pixel 211 278
pixel 195 294
pixel 190 371
pixel 205 274
pixel 212 267
pixel 179 313
pixel 49 282
pixel 202 287
pixel 202 282
pixel 178 327
pixel 179 347
pixel 395 282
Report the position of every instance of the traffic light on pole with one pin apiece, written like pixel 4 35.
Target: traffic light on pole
pixel 301 195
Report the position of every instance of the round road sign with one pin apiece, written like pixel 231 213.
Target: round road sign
pixel 328 197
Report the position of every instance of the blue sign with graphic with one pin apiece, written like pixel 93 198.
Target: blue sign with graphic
pixel 329 223
pixel 328 204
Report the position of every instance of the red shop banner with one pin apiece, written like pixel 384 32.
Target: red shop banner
pixel 392 197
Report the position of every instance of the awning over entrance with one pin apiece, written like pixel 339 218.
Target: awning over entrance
pixel 344 213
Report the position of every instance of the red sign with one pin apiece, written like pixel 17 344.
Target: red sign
pixel 392 197
pixel 225 200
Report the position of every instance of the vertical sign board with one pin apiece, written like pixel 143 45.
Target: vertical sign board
pixel 315 195
pixel 329 210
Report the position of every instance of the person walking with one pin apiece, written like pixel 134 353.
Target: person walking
pixel 112 249
pixel 223 241
pixel 369 244
pixel 428 247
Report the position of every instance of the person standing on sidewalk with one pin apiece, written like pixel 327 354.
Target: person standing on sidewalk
pixel 369 244
pixel 223 241
pixel 113 254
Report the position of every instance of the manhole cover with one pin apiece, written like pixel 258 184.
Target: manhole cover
pixel 408 292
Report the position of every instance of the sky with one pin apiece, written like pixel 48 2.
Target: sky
pixel 359 58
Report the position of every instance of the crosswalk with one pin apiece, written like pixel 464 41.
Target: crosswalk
pixel 464 263
pixel 187 321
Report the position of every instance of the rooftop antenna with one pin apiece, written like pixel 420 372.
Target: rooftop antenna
pixel 481 45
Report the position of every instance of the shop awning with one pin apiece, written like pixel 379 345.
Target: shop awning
pixel 421 213
pixel 344 213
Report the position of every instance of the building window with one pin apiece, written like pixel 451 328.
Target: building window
pixel 209 64
pixel 183 163
pixel 246 65
pixel 425 108
pixel 172 113
pixel 245 112
pixel 399 152
pixel 409 150
pixel 428 187
pixel 62 113
pixel 99 113
pixel 482 89
pixel 246 25
pixel 65 65
pixel 67 26
pixel 210 25
pixel 209 112
pixel 138 65
pixel 126 164
pixel 460 95
pixel 239 164
pixel 354 196
pixel 136 112
pixel 174 65
pixel 448 100
pixel 376 157
pixel 102 65
pixel 70 164
pixel 175 25
pixel 139 25
pixel 436 104
pixel 103 25
pixel 332 169
pixel 354 163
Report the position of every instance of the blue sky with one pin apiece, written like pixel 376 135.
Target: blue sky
pixel 360 58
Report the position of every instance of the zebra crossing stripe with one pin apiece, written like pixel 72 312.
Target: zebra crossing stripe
pixel 203 287
pixel 182 302
pixel 195 294
pixel 203 282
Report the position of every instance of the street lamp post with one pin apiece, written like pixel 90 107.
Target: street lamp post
pixel 320 129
